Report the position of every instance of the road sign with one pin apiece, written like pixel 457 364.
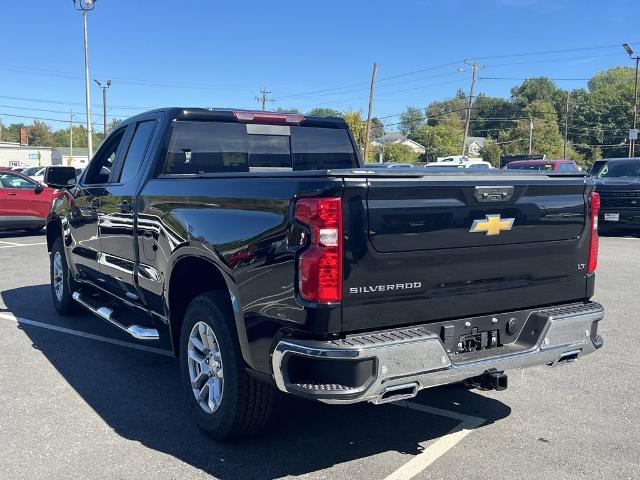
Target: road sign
pixel 633 134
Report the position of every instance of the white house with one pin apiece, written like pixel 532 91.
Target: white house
pixel 397 137
pixel 64 156
pixel 474 145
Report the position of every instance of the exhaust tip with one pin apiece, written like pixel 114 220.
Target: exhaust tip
pixel 399 392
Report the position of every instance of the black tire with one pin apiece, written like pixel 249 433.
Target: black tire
pixel 246 403
pixel 65 304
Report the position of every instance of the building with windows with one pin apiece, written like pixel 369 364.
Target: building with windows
pixel 16 155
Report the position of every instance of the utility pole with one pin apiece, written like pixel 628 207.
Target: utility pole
pixel 0 129
pixel 70 138
pixel 104 104
pixel 632 141
pixel 566 127
pixel 86 6
pixel 530 135
pixel 371 90
pixel 475 65
pixel 263 98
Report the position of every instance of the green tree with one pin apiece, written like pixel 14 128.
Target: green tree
pixel 491 152
pixel 533 89
pixel 450 111
pixel 11 133
pixel 287 110
pixel 325 112
pixel 357 126
pixel 411 120
pixel 439 140
pixel 377 128
pixel 601 114
pixel 489 114
pixel 40 134
pixel 397 152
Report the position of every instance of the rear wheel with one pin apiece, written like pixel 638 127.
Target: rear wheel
pixel 62 284
pixel 224 400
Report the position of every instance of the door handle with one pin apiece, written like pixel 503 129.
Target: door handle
pixel 11 194
pixel 124 206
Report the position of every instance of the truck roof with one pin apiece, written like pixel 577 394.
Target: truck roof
pixel 247 116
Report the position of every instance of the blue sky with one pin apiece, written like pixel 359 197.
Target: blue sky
pixel 219 54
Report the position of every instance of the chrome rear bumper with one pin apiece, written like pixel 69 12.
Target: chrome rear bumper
pixel 401 362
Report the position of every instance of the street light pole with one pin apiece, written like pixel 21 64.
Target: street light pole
pixel 86 6
pixel 104 105
pixel 632 142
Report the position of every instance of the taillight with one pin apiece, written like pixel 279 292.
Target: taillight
pixel 594 241
pixel 320 265
pixel 269 117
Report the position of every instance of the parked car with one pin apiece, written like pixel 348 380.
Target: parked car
pixel 618 183
pixel 389 165
pixel 24 203
pixel 461 161
pixel 31 171
pixel 544 165
pixel 256 244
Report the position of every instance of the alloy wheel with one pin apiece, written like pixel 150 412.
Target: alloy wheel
pixel 205 367
pixel 58 276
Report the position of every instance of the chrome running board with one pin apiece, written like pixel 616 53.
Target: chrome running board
pixel 136 331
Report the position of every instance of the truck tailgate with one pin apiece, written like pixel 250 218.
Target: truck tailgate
pixel 435 247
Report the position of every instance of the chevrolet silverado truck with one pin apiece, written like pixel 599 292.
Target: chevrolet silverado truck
pixel 258 249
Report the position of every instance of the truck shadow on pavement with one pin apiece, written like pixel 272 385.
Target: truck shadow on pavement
pixel 138 394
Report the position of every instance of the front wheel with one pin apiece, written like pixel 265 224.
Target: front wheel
pixel 62 284
pixel 224 400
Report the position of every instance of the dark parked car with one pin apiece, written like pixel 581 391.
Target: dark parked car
pixel 618 183
pixel 256 248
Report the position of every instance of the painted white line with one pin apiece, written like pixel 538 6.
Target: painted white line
pixel 441 446
pixel 77 333
pixel 10 243
pixel 15 245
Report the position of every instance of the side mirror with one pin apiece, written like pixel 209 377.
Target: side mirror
pixel 60 177
pixel 38 189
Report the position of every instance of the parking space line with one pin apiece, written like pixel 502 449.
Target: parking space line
pixel 10 243
pixel 15 245
pixel 467 423
pixel 441 446
pixel 78 333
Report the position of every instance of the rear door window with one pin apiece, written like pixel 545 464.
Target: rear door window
pixel 207 147
pixel 322 148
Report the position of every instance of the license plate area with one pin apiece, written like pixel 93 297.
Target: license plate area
pixel 611 217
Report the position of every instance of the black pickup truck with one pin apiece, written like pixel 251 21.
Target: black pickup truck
pixel 258 245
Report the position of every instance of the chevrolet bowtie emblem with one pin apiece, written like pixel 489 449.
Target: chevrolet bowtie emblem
pixel 492 225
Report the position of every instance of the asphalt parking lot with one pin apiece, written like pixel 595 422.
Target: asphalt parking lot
pixel 76 401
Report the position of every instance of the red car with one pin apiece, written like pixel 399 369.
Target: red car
pixel 544 165
pixel 24 203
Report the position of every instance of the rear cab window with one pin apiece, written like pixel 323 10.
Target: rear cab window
pixel 200 147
